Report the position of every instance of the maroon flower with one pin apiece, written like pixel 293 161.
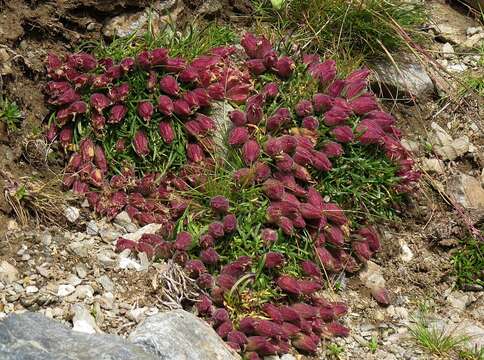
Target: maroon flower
pixel 119 93
pixel 205 281
pixel 334 214
pixel 249 43
pixel 336 88
pixel 371 237
pixel 289 284
pixel 97 121
pixel 82 61
pixel 144 60
pixel 238 136
pixel 145 110
pixel 226 281
pixel 305 343
pixel 127 64
pixel 364 104
pixel 324 72
pixel 209 256
pixel 342 134
pixel 159 56
pixel 237 337
pixel 123 244
pixel 141 143
pixel 273 189
pixel 256 66
pixel 195 153
pixel 100 159
pixel 165 105
pixel 206 241
pixel 99 101
pixel 117 114
pixel 219 204
pixel 308 287
pixel 120 145
pixel 289 314
pixel 304 108
pixel 311 269
pixel 204 305
pixel 175 65
pixel 337 115
pixel 354 88
pixel 261 345
pixel 183 241
pixel 286 225
pixel 362 250
pixel 284 67
pixel 310 123
pixel 332 149
pixel 181 108
pixel 65 136
pixel 262 171
pixel 381 296
pixel 250 151
pixel 268 236
pixel 335 329
pixel 216 229
pixel 194 268
pixel 358 75
pixel 230 223
pixel 224 329
pixel 238 117
pixel 190 74
pixel 270 90
pixel 169 85
pixel 327 260
pixel 310 211
pixel 166 132
pixel 274 260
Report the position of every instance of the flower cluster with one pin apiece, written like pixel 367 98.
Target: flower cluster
pixel 285 151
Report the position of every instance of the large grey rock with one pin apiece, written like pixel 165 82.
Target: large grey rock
pixel 8 273
pixel 408 80
pixel 32 336
pixel 179 335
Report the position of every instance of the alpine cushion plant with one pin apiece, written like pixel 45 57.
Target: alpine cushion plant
pixel 256 229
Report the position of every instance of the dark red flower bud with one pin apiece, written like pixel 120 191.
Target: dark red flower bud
pixel 310 123
pixel 114 72
pixel 99 101
pixel 311 269
pixel 224 329
pixel 169 85
pixel 193 128
pixel 165 105
pixel 289 314
pixel 364 104
pixel 335 236
pixel 119 93
pixel 220 315
pixel 230 223
pixel 371 237
pixel 82 61
pixel 289 284
pixel 327 260
pixel 268 328
pixel 336 115
pixel 381 296
pixel 65 136
pixel 181 108
pixel 270 90
pixel 158 56
pixel 336 88
pixel 288 143
pixel 175 65
pixel 120 145
pixel 209 256
pixel 86 149
pixel 80 187
pixel 284 67
pixel 362 250
pixel 237 117
pixel 194 268
pixel 354 88
pixel 195 153
pixel 141 143
pixel 238 136
pixel 273 260
pixel 190 74
pixel 249 43
pixel 324 72
pixel 273 147
pixel 100 159
pixel 219 204
pixel 206 241
pixel 268 236
pixel 226 281
pixel 256 66
pixel 183 241
pixel 98 121
pixel 310 211
pixel 237 337
pixel 305 343
pixel 117 114
pixel 332 149
pixel 216 229
pixel 144 59
pixel 250 151
pixel 273 189
pixel 334 214
pixel 304 108
pixel 335 329
pixel 53 62
pixel 166 132
pixel 308 287
pixel 342 134
pixel 286 225
pixel 145 110
pixel 302 156
pixel 261 345
pixel 205 281
pixel 204 305
pixel 127 64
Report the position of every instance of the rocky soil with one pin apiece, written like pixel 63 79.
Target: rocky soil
pixel 71 273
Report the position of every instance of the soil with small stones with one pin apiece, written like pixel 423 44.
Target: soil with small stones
pixel 429 226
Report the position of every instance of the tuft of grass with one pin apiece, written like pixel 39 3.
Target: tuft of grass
pixel 10 114
pixel 364 28
pixel 335 351
pixel 373 344
pixel 438 341
pixel 468 263
pixel 471 354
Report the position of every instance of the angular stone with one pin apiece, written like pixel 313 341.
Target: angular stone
pixel 83 321
pixel 433 166
pixel 34 336
pixel 467 191
pixel 147 229
pixel 177 334
pixel 8 273
pixel 409 80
